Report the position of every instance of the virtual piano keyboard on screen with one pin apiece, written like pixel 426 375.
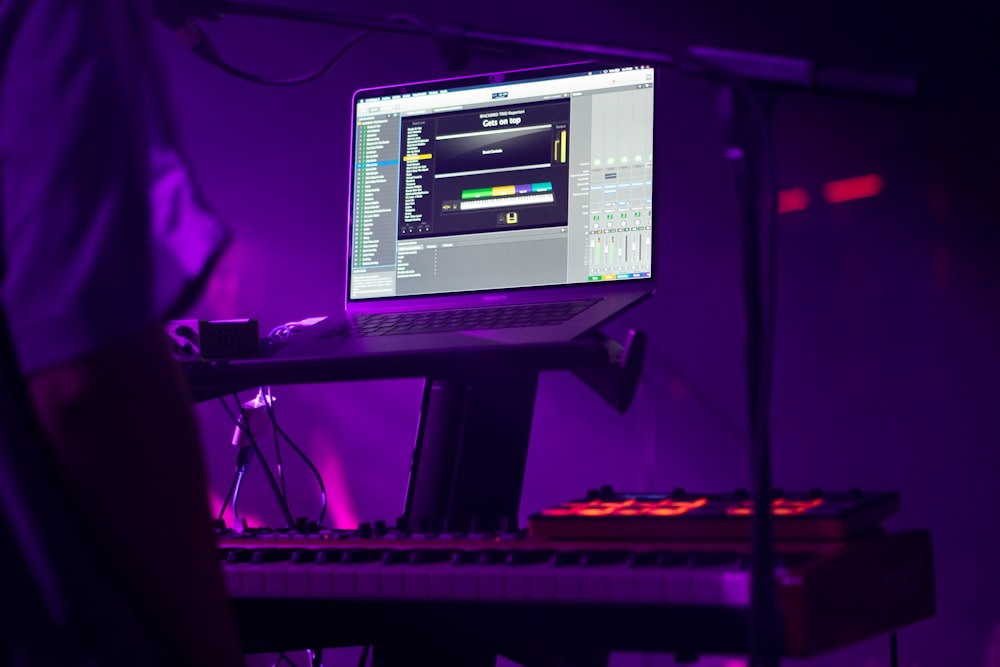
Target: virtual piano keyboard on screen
pixel 832 592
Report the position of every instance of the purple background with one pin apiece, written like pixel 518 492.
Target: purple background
pixel 888 323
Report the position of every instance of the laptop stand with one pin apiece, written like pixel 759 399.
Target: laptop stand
pixel 471 448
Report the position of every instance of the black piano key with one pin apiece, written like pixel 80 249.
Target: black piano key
pixel 530 556
pixel 644 559
pixel 716 559
pixel 261 556
pixel 430 556
pixel 332 556
pixel 604 557
pixel 239 556
pixel 564 558
pixel 465 558
pixel 362 555
pixel 329 556
pixel 790 560
pixel 492 557
pixel 303 556
pixel 673 559
pixel 396 556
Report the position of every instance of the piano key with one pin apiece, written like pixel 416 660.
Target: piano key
pixel 465 575
pixel 362 581
pixel 647 578
pixel 392 574
pixel 522 565
pixel 423 562
pixel 675 568
pixel 599 568
pixel 736 588
pixel 252 580
pixel 440 576
pixel 492 572
pixel 272 579
pixel 236 561
pixel 357 576
pixel 321 573
pixel 299 573
pixel 707 572
pixel 568 574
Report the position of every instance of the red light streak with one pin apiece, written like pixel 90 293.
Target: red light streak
pixel 859 187
pixel 779 507
pixel 629 507
pixel 793 199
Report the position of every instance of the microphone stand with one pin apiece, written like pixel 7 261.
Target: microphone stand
pixel 749 151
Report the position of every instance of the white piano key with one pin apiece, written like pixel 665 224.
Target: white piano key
pixel 569 582
pixel 542 584
pixel 517 583
pixel 276 580
pixel 253 581
pixel 736 588
pixel 233 577
pixel 621 585
pixel 441 581
pixel 367 578
pixel 391 578
pixel 298 580
pixel 416 582
pixel 706 585
pixel 598 581
pixel 649 585
pixel 466 582
pixel 678 584
pixel 491 582
pixel 321 580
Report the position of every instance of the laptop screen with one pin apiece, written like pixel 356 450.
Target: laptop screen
pixel 521 179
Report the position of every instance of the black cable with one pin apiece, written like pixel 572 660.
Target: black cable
pixel 277 449
pixel 236 495
pixel 364 655
pixel 295 81
pixel 225 502
pixel 319 478
pixel 893 650
pixel 282 502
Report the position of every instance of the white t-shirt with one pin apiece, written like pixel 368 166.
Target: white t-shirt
pixel 102 233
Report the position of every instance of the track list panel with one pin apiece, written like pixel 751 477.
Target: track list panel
pixel 376 178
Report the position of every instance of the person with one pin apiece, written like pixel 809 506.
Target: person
pixel 108 552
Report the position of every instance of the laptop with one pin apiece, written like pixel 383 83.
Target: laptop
pixel 506 208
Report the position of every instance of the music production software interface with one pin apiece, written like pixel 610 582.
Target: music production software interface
pixel 540 182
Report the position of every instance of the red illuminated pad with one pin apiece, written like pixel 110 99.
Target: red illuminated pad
pixel 711 516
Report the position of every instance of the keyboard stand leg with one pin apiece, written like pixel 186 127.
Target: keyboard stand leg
pixel 471 451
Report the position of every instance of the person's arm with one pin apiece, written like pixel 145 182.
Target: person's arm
pixel 122 428
pixel 102 242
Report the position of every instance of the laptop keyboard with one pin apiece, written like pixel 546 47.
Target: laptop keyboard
pixel 487 317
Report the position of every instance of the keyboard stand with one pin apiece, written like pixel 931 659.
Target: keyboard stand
pixel 469 460
pixel 470 454
pixel 469 457
pixel 472 441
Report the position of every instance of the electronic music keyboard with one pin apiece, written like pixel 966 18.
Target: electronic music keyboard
pixel 627 595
